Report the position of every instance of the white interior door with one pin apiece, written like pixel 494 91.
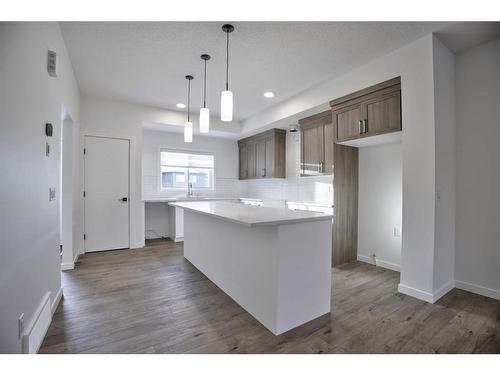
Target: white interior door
pixel 106 193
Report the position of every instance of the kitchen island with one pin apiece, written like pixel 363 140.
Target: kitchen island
pixel 273 262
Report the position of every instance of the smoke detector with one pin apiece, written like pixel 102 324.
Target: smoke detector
pixel 294 128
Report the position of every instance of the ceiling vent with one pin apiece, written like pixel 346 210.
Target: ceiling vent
pixel 51 63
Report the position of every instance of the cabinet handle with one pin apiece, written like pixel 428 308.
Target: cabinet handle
pixel 360 123
pixel 365 126
pixel 263 172
pixel 321 167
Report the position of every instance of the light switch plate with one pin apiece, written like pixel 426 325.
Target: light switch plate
pixel 397 232
pixel 52 194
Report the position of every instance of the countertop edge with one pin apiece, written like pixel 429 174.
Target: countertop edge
pixel 257 224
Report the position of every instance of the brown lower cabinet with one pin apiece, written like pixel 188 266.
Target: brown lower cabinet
pixel 263 155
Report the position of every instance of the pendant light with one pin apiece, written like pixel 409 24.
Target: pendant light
pixel 226 98
pixel 188 125
pixel 205 112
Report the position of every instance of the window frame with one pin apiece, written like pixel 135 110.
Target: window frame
pixel 186 151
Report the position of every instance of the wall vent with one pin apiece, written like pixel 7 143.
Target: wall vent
pixel 51 63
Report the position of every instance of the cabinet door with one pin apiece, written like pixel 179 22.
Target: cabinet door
pixel 347 122
pixel 260 158
pixel 329 144
pixel 270 157
pixel 383 114
pixel 243 149
pixel 251 160
pixel 312 150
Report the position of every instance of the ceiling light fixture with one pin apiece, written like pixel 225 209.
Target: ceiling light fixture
pixel 205 112
pixel 226 98
pixel 180 105
pixel 188 125
pixel 269 94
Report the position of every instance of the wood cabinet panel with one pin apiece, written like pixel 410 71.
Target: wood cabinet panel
pixel 270 158
pixel 263 155
pixel 371 111
pixel 312 150
pixel 243 169
pixel 329 142
pixel 383 114
pixel 345 209
pixel 317 144
pixel 252 160
pixel 348 122
pixel 260 158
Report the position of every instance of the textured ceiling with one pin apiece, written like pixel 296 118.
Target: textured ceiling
pixel 145 62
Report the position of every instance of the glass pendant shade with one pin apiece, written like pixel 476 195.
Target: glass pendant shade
pixel 188 132
pixel 226 106
pixel 204 120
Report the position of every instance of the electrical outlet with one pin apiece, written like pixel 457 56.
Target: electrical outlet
pixel 397 232
pixel 20 325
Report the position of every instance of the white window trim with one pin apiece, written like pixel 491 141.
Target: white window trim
pixel 186 151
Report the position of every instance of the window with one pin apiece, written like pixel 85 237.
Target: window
pixel 179 167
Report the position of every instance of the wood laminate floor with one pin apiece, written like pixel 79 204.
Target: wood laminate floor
pixel 152 300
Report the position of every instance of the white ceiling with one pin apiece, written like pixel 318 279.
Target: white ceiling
pixel 145 62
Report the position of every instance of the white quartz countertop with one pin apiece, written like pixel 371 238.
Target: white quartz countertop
pixel 250 215
pixel 188 199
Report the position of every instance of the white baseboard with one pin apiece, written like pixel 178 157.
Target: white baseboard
pixel 35 331
pixel 137 245
pixel 70 265
pixel 379 263
pixel 443 290
pixel 417 293
pixel 179 239
pixel 366 259
pixel 426 296
pixel 478 289
pixel 56 300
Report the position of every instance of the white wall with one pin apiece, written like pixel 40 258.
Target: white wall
pixel 380 204
pixel 477 265
pixel 29 230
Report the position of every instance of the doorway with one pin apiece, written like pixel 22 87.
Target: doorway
pixel 106 193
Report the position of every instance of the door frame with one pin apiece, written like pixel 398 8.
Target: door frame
pixel 91 135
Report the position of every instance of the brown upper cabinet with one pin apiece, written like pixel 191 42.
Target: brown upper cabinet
pixel 372 111
pixel 263 155
pixel 316 144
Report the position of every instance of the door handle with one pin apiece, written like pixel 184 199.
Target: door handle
pixel 360 123
pixel 365 126
pixel 263 172
pixel 124 199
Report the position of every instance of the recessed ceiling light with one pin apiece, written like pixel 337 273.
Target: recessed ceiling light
pixel 180 105
pixel 269 94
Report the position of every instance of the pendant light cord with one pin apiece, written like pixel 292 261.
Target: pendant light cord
pixel 205 87
pixel 227 61
pixel 189 96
